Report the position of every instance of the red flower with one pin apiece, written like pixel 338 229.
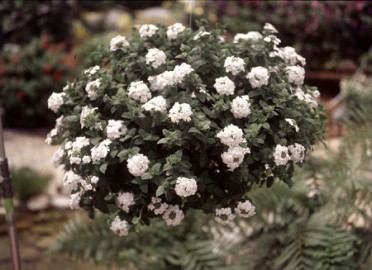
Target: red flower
pixel 57 76
pixel 47 69
pixel 20 95
pixel 44 42
pixel 15 60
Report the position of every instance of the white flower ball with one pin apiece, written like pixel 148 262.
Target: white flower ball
pixel 234 65
pixel 234 156
pixel 115 129
pixel 175 29
pixel 185 186
pixel 245 209
pixel 158 104
pixel 155 57
pixel 147 30
pixel 297 152
pixel 120 227
pixel 258 76
pixel 296 75
pixel 100 151
pixel 92 87
pixel 139 91
pixel 281 156
pixel 55 101
pixel 118 42
pixel 173 215
pixel 231 136
pixel 138 164
pixel 125 200
pixel 240 107
pixel 224 86
pixel 224 215
pixel 180 112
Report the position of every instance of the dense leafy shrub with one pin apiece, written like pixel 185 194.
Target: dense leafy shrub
pixel 176 119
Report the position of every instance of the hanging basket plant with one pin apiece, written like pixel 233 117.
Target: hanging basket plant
pixel 176 119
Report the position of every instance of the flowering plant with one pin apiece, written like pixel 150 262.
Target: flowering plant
pixel 175 119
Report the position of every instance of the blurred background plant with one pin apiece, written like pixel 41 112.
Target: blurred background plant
pixel 28 183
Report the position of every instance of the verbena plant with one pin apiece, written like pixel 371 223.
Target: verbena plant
pixel 175 119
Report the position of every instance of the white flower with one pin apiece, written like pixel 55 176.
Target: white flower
pixel 234 156
pixel 79 143
pixel 234 65
pixel 50 136
pixel 94 180
pixel 157 206
pixel 120 227
pixel 57 157
pixel 75 201
pixel 297 152
pixel 231 136
pixel 270 28
pixel 75 160
pixel 173 215
pixel 293 123
pixel 296 74
pixel 125 200
pixel 224 215
pixel 240 36
pixel 281 156
pixel 180 112
pixel 240 107
pixel 315 94
pixel 289 55
pixel 245 209
pixel 55 101
pixel 185 186
pixel 158 83
pixel 118 42
pixel 85 113
pixel 147 30
pixel 258 76
pixel 86 159
pixel 115 129
pixel 138 164
pixel 181 71
pixel 92 87
pixel 158 104
pixel 201 34
pixel 254 36
pixel 92 70
pixel 153 81
pixel 100 151
pixel 272 39
pixel 174 29
pixel 139 91
pixel 71 180
pixel 224 86
pixel 155 57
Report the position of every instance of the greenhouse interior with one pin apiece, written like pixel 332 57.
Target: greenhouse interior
pixel 185 135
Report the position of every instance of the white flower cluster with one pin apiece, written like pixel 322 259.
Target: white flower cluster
pixel 139 91
pixel 252 36
pixel 270 28
pixel 231 136
pixel 125 200
pixel 289 55
pixel 293 123
pixel 54 132
pixel 148 30
pixel 155 57
pixel 180 112
pixel 118 42
pixel 201 34
pixel 310 99
pixel 234 65
pixel 92 70
pixel 55 101
pixel 138 164
pixel 115 129
pixel 173 215
pixel 296 74
pixel 258 76
pixel 57 157
pixel 240 107
pixel 281 155
pixel 75 200
pixel 185 186
pixel 297 152
pixel 157 206
pixel 174 30
pixel 158 104
pixel 245 209
pixel 85 114
pixel 71 180
pixel 224 86
pixel 170 78
pixel 100 151
pixel 92 87
pixel 234 156
pixel 120 227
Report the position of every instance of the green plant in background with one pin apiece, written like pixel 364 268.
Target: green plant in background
pixel 324 221
pixel 28 75
pixel 28 183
